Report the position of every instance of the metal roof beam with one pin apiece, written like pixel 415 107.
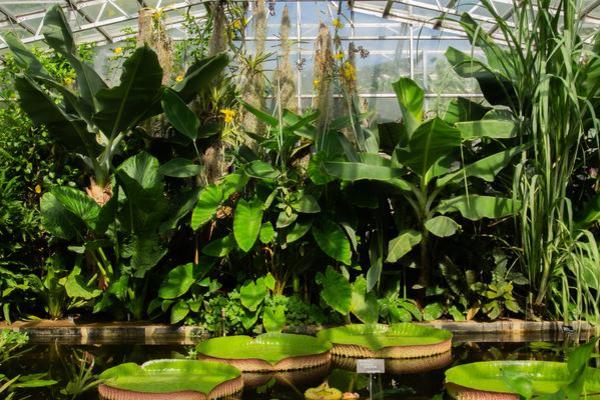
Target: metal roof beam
pixel 15 19
pixel 85 16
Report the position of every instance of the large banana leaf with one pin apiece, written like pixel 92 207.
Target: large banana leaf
pixel 67 129
pixel 269 347
pixel 487 168
pixel 58 35
pixel 169 376
pixel 475 207
pixel 378 336
pixel 431 141
pixel 546 377
pixel 121 107
pixel 410 98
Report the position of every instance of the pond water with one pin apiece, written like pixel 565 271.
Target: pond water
pixel 74 365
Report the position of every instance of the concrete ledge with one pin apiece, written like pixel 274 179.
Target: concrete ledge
pixel 512 330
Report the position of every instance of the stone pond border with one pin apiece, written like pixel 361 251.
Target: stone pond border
pixel 512 330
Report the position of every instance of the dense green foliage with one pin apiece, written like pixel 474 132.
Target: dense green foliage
pixel 139 200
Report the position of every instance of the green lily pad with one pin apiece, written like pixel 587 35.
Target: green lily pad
pixel 171 376
pixel 546 377
pixel 367 340
pixel 271 348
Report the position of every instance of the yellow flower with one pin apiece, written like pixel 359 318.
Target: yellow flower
pixel 38 189
pixel 337 23
pixel 118 50
pixel 179 78
pixel 68 81
pixel 315 83
pixel 228 115
pixel 237 24
pixel 349 72
pixel 339 55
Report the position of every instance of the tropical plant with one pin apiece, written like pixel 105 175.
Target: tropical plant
pixel 93 121
pixel 546 74
pixel 529 379
pixel 268 352
pixel 426 164
pixel 402 340
pixel 170 376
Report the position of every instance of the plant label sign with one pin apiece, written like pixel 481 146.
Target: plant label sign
pixel 370 366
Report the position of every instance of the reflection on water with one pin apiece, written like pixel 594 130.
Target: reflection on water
pixel 405 379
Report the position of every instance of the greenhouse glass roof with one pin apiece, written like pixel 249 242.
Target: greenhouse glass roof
pixel 109 20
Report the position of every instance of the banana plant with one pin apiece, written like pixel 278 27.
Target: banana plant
pixel 91 119
pixel 269 208
pixel 425 166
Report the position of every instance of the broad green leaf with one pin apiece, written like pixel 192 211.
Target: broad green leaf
pixel 284 219
pixel 220 247
pixel 497 129
pixel 144 252
pixel 337 291
pixel 299 229
pixel 78 203
pixel 180 168
pixel 307 204
pixel 487 168
pixel 57 220
pixel 271 347
pixel 24 58
pixel 590 213
pixel 67 129
pixel 253 294
pixel 462 109
pixel 402 244
pixel 247 221
pixel 179 311
pixel 363 303
pixel 410 98
pixel 201 75
pixel 475 207
pixel 354 171
pixel 332 239
pixel 177 282
pixel 432 311
pixel 143 168
pixel 77 288
pixel 442 226
pixel 267 233
pixel 209 200
pixel 261 170
pixel 122 107
pixel 432 140
pixel 274 318
pixel 261 115
pixel 179 115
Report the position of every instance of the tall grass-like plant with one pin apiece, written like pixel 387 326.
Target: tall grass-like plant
pixel 546 73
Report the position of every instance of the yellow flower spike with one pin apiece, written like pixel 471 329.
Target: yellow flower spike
pixel 339 56
pixel 118 50
pixel 349 72
pixel 337 23
pixel 179 78
pixel 228 115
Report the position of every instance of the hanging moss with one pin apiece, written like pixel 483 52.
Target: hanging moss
pixel 322 78
pixel 152 32
pixel 218 39
pixel 253 91
pixel 285 74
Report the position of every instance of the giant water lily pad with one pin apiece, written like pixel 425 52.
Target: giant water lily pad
pixel 491 380
pixel 267 352
pixel 403 340
pixel 170 380
pixel 398 366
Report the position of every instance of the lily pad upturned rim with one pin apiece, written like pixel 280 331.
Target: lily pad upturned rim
pixel 484 379
pixel 397 366
pixel 266 352
pixel 204 378
pixel 401 340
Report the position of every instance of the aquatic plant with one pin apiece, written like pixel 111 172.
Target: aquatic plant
pixel 170 379
pixel 402 340
pixel 267 352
